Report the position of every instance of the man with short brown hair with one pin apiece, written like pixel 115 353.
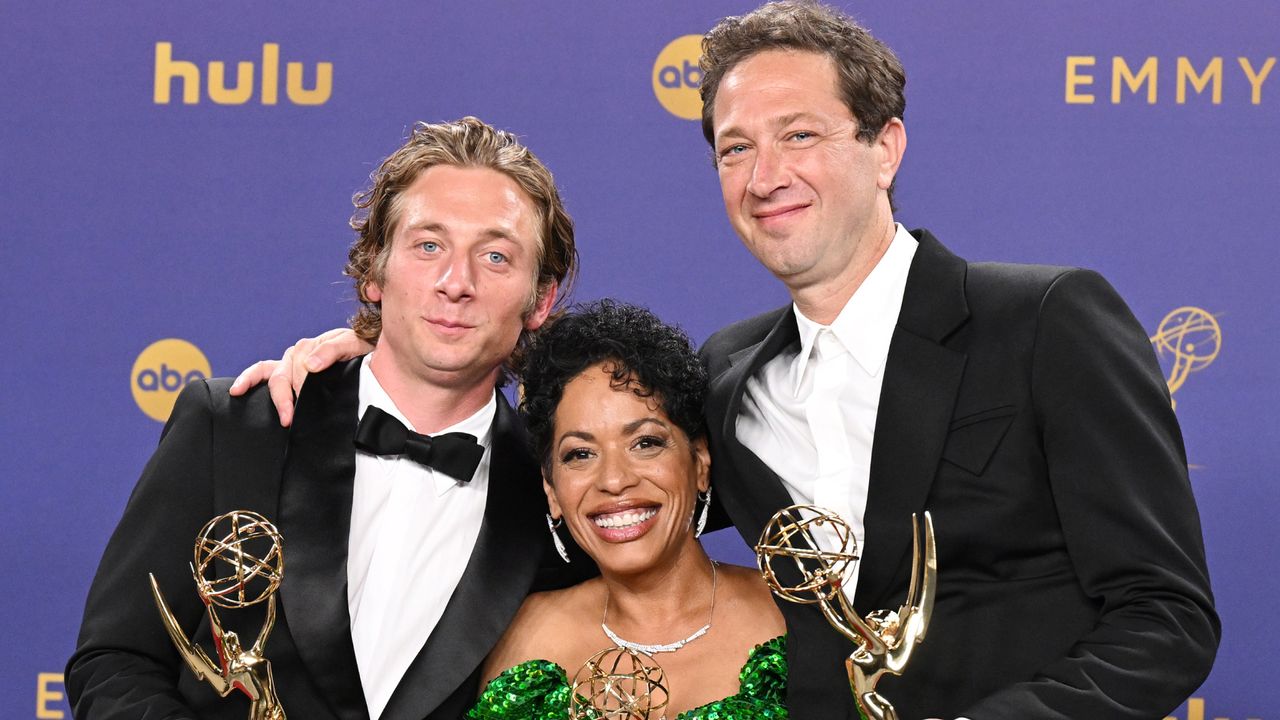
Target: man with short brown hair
pixel 1021 405
pixel 402 487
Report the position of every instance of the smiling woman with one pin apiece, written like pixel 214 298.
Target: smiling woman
pixel 613 400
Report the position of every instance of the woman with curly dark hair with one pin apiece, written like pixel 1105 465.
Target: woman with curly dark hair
pixel 613 401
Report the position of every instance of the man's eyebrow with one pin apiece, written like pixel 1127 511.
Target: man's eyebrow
pixel 775 123
pixel 785 120
pixel 496 233
pixel 429 226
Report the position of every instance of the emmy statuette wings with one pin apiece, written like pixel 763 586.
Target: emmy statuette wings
pixel 885 639
pixel 239 561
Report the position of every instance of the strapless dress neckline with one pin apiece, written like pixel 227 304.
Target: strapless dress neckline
pixel 539 690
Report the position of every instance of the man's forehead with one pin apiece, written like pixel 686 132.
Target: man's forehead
pixel 789 84
pixel 475 196
pixel 780 66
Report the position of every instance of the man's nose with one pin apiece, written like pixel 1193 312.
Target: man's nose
pixel 769 172
pixel 457 278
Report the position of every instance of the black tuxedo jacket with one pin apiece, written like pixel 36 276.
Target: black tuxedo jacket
pixel 1024 407
pixel 218 454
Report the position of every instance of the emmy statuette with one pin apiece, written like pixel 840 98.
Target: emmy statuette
pixel 619 683
pixel 885 639
pixel 239 562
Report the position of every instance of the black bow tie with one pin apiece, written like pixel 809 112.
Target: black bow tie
pixel 454 454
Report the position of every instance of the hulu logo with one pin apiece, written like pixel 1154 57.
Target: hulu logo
pixel 187 73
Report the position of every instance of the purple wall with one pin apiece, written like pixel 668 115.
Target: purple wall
pixel 128 221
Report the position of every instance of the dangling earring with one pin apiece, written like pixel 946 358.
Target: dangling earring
pixel 705 498
pixel 552 525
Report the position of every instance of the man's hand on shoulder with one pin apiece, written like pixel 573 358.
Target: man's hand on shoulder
pixel 284 377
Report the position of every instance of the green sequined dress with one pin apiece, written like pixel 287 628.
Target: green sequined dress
pixel 539 690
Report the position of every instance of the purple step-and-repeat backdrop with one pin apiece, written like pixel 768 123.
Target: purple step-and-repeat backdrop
pixel 177 179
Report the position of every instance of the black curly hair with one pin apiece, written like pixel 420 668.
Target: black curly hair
pixel 648 356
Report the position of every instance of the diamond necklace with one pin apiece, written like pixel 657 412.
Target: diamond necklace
pixel 668 647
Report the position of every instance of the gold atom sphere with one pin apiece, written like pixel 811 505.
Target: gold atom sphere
pixel 239 559
pixel 790 535
pixel 618 683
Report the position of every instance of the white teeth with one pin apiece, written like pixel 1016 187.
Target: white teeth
pixel 625 519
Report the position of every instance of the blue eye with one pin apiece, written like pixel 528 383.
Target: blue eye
pixel 497 258
pixel 429 246
pixel 734 150
pixel 802 135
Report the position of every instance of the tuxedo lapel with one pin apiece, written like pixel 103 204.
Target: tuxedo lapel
pixel 496 580
pixel 315 521
pixel 921 380
pixel 751 491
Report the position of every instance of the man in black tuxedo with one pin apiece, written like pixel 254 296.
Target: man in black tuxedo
pixel 403 566
pixel 1021 405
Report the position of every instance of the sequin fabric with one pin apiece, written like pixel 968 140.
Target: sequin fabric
pixel 539 690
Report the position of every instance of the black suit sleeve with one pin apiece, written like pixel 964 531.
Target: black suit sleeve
pixel 124 665
pixel 1117 469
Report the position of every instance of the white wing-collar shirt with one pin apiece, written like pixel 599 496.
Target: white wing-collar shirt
pixel 412 532
pixel 810 414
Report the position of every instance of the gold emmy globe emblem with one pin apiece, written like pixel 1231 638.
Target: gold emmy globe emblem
pixel 619 683
pixel 239 561
pixel 1193 338
pixel 885 638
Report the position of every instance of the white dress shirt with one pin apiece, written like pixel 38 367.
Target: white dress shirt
pixel 811 415
pixel 412 533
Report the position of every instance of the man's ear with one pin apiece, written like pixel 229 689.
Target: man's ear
pixel 542 306
pixel 892 144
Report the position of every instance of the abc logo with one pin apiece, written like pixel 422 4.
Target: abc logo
pixel 160 373
pixel 676 77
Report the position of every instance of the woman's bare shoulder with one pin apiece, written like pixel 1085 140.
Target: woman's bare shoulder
pixel 749 599
pixel 547 627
